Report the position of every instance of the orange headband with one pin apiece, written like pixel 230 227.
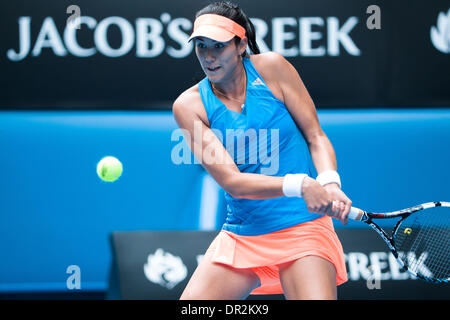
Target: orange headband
pixel 216 27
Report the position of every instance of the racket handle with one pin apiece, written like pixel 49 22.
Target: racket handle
pixel 355 214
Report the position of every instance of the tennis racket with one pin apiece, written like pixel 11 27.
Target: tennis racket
pixel 420 240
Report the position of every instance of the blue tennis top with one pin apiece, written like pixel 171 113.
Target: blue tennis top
pixel 263 139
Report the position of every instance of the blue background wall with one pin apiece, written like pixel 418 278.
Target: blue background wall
pixel 56 212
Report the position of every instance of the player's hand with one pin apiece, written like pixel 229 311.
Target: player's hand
pixel 317 199
pixel 342 204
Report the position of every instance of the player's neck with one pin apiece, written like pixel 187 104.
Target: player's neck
pixel 234 87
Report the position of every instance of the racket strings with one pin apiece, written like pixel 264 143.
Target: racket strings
pixel 433 250
pixel 424 240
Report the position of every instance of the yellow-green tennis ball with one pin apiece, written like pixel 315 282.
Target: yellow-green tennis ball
pixel 109 169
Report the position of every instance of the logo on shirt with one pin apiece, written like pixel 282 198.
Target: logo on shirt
pixel 258 82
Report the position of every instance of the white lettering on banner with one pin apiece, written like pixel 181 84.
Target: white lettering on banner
pixel 49 38
pixel 290 37
pixel 71 41
pixel 175 33
pixel 396 269
pixel 375 266
pixel 307 36
pixel 150 31
pixel 24 40
pixel 378 262
pixel 372 282
pixel 338 36
pixel 280 36
pixel 357 266
pixel 101 39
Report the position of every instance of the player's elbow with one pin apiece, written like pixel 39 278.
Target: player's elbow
pixel 315 138
pixel 236 194
pixel 234 191
pixel 233 186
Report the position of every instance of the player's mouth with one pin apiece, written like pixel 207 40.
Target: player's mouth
pixel 213 69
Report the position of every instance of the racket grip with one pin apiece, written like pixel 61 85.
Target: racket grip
pixel 355 214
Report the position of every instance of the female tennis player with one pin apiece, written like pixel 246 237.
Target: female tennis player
pixel 278 236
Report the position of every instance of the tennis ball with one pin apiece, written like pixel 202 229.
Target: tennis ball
pixel 109 169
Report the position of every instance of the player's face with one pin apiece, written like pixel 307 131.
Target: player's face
pixel 217 59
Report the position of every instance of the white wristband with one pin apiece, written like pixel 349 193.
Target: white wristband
pixel 329 176
pixel 292 184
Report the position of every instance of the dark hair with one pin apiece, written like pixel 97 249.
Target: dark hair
pixel 233 12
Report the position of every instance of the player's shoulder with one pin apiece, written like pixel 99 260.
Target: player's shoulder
pixel 272 67
pixel 189 104
pixel 189 99
pixel 270 64
pixel 268 60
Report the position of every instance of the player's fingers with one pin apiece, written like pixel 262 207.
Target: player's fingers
pixel 335 210
pixel 345 212
pixel 327 209
pixel 348 206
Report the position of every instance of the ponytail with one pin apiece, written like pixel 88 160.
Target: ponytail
pixel 251 36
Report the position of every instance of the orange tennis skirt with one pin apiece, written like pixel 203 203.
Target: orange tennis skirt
pixel 263 253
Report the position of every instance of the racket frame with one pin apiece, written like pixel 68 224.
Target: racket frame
pixel 367 217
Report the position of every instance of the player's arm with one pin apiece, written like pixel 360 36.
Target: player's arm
pixel 303 111
pixel 301 107
pixel 210 152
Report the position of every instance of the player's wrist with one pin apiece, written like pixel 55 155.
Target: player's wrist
pixel 329 177
pixel 293 183
pixel 332 185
